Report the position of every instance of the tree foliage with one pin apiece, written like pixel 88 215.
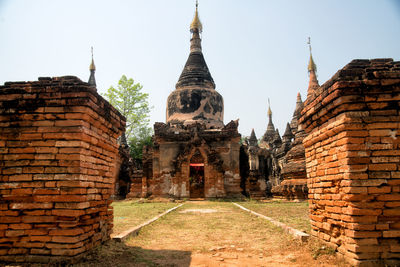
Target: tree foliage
pixel 132 103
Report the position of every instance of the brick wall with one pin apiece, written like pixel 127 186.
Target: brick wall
pixel 58 146
pixel 353 161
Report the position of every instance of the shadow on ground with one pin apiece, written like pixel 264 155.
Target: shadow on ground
pixel 118 254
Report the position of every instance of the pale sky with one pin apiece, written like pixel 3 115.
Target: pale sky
pixel 255 49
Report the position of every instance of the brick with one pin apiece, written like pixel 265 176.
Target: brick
pixel 15 251
pixel 64 246
pixel 52 150
pixel 34 212
pixel 382 167
pixel 392 212
pixel 69 144
pixel 20 177
pixel 60 198
pixel 38 231
pixel 391 233
pixel 363 234
pixel 12 233
pixel 21 206
pixel 40 251
pixel 379 190
pixel 40 238
pixel 68 213
pixel 76 205
pixel 22 191
pixel 33 169
pixel 10 219
pixel 65 239
pixel 38 219
pixel 67 252
pixel 66 232
pixel 45 191
pixel 20 226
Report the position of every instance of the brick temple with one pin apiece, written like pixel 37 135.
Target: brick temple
pixel 194 154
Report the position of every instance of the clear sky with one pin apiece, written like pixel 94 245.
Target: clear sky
pixel 255 49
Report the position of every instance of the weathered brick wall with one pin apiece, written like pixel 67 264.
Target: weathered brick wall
pixel 58 146
pixel 353 161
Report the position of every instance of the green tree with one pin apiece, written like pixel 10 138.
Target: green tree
pixel 137 142
pixel 132 103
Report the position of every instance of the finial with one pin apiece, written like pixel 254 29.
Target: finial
pixel 311 64
pixel 299 98
pixel 269 109
pixel 92 66
pixel 196 24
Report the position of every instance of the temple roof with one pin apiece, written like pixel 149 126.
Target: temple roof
pixel 312 70
pixel 253 139
pixel 288 132
pixel 195 72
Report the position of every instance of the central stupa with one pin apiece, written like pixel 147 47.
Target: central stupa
pixel 193 154
pixel 195 99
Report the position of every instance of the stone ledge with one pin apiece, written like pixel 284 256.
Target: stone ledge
pixel 136 229
pixel 303 237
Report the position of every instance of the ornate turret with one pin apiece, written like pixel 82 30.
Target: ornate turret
pixel 253 139
pixel 288 135
pixel 92 68
pixel 312 70
pixel 296 113
pixel 270 133
pixel 277 138
pixel 195 98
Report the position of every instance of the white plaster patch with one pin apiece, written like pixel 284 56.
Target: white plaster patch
pixel 263 184
pixel 198 211
pixel 184 193
pixel 393 134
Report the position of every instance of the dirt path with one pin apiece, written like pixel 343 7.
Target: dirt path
pixel 210 234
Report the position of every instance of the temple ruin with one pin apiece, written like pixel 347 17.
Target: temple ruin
pixel 194 154
pixel 58 159
pixel 63 158
pixel 352 158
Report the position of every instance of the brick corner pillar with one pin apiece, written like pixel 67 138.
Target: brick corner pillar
pixel 352 160
pixel 58 150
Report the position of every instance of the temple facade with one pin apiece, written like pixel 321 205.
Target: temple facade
pixel 194 154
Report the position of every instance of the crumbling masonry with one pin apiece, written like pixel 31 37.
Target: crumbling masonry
pixel 353 161
pixel 58 150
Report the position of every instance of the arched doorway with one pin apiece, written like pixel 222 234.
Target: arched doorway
pixel 196 175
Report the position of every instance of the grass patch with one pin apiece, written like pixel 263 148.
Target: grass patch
pixel 227 227
pixel 294 214
pixel 202 233
pixel 132 213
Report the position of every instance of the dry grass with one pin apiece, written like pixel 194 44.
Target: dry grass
pixel 203 231
pixel 129 213
pixel 294 214
pixel 227 237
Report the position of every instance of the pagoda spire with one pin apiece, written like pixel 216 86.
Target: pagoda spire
pixel 195 72
pixel 270 133
pixel 312 71
pixel 269 112
pixel 253 139
pixel 196 28
pixel 92 68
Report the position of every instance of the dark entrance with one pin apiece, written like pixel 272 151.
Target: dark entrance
pixel 196 176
